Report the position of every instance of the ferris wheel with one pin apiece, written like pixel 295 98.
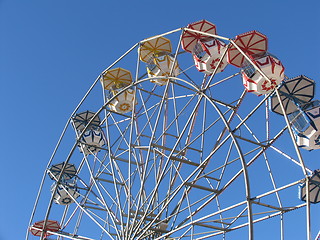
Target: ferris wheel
pixel 188 135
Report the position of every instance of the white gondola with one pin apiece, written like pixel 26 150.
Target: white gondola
pixel 255 45
pixel 314 188
pixel 93 138
pixel 207 54
pixel 161 64
pixel 255 82
pixel 296 95
pixel 65 194
pixel 115 80
pixel 306 124
pixel 91 141
pixel 124 102
pixel 206 51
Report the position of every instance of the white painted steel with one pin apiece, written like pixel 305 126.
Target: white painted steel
pixel 184 162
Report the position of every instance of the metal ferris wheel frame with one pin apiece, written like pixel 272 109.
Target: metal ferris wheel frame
pixel 147 225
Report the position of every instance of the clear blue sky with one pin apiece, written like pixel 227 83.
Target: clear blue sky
pixel 51 52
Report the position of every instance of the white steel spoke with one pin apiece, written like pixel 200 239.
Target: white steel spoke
pixel 174 154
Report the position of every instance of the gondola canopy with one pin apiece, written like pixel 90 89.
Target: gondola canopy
pixel 81 120
pixel 153 47
pixel 251 43
pixel 68 173
pixel 44 226
pixel 116 78
pixel 190 39
pixel 293 93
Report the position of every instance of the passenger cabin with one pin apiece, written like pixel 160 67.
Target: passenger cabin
pixel 123 102
pixel 306 125
pixel 161 63
pixel 92 139
pixel 161 66
pixel 116 81
pixel 66 193
pixel 207 54
pixel 314 188
pixel 199 38
pixel 296 95
pixel 254 81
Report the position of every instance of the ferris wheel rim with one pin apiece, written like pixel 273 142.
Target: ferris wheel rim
pixel 197 89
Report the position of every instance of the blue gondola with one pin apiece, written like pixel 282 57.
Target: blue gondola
pixel 296 95
pixel 93 138
pixel 66 192
pixel 68 173
pixel 314 188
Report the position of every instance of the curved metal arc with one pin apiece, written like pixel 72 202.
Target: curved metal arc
pixel 216 145
pixel 144 80
pixel 219 143
pixel 239 173
pixel 61 137
pixel 141 191
pixel 241 156
pixel 245 171
pixel 110 100
pixel 172 151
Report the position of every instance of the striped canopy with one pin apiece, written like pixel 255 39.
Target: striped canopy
pixel 190 39
pixel 68 173
pixel 153 47
pixel 251 43
pixel 116 78
pixel 80 120
pixel 52 226
pixel 293 93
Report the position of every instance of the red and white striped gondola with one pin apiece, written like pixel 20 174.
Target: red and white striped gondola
pixel 48 227
pixel 254 45
pixel 207 50
pixel 257 83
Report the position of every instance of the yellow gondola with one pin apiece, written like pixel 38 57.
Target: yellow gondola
pixel 160 62
pixel 116 78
